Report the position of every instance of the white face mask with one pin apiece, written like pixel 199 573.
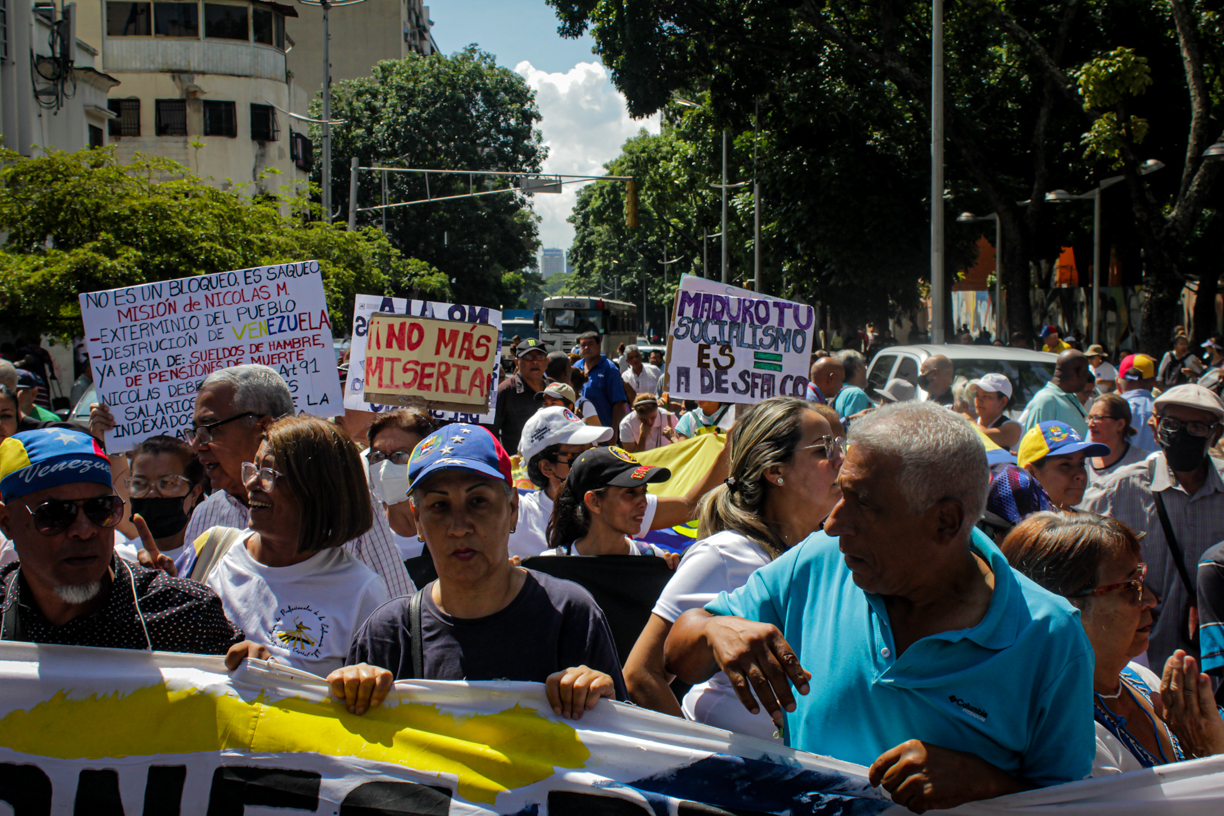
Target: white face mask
pixel 389 482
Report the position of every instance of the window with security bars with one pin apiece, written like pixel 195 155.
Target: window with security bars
pixel 4 31
pixel 263 123
pixel 127 117
pixel 301 151
pixel 171 117
pixel 220 119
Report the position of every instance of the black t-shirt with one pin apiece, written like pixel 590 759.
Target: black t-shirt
pixel 516 403
pixel 551 625
pixel 181 615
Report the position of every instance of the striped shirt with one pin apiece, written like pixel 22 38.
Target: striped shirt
pixel 376 547
pixel 1197 522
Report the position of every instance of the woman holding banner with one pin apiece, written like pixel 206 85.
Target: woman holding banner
pixel 785 458
pixel 483 618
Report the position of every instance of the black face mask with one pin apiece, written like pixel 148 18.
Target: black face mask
pixel 165 517
pixel 1184 451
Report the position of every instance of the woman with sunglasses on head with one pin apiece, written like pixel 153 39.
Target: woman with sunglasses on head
pixel 1141 720
pixel 785 458
pixel 298 594
pixel 1109 422
pixel 393 436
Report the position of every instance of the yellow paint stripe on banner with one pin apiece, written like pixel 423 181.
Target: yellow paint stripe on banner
pixel 487 753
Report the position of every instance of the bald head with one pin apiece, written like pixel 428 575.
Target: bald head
pixel 1071 371
pixel 935 375
pixel 828 374
pixel 8 375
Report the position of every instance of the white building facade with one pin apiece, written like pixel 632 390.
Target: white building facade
pixel 205 84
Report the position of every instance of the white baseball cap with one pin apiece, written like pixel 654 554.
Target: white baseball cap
pixel 1105 371
pixel 994 383
pixel 557 426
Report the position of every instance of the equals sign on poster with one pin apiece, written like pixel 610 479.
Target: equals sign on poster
pixel 764 361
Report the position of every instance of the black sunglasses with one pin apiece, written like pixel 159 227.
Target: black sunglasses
pixel 57 515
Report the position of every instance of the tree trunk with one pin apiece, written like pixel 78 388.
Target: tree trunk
pixel 1204 309
pixel 1162 285
pixel 1016 279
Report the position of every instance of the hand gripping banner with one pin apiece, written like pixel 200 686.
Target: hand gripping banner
pixel 102 731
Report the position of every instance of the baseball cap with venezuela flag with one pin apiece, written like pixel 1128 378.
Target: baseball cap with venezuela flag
pixel 1135 367
pixel 1055 438
pixel 49 457
pixel 459 447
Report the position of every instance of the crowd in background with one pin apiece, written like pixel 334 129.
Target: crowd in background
pixel 869 563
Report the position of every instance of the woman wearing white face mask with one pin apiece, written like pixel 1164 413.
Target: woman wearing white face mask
pixel 393 437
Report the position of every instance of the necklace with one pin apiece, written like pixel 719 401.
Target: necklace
pixel 1113 696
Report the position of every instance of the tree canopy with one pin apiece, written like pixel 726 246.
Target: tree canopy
pixel 1040 95
pixel 81 222
pixel 458 112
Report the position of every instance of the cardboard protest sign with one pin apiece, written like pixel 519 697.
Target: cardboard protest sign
pixel 368 305
pixel 152 345
pixel 447 365
pixel 733 345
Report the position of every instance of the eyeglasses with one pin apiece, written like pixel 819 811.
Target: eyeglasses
pixel 202 434
pixel 57 515
pixel 397 457
pixel 1134 585
pixel 557 460
pixel 169 486
pixel 1093 418
pixel 1171 425
pixel 264 478
pixel 832 448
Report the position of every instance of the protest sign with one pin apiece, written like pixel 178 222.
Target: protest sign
pixel 88 731
pixel 152 345
pixel 446 364
pixel 368 305
pixel 733 345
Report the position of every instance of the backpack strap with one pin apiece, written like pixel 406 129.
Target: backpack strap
pixel 414 630
pixel 1174 547
pixel 218 543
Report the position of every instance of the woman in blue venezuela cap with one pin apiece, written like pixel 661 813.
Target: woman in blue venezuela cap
pixel 483 618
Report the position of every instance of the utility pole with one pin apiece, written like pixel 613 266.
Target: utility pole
pixel 327 162
pixel 937 173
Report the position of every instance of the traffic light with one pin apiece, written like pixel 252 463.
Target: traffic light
pixel 631 204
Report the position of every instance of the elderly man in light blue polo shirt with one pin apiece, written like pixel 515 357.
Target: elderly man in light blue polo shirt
pixel 916 649
pixel 1058 399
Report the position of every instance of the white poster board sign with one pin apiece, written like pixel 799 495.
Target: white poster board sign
pixel 733 345
pixel 151 345
pixel 367 305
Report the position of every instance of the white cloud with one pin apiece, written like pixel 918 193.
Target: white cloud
pixel 584 122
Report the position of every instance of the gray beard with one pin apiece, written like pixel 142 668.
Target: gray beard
pixel 77 594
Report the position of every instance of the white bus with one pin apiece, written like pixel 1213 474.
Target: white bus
pixel 562 319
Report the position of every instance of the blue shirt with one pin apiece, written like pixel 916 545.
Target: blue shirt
pixel 1051 403
pixel 1016 689
pixel 1141 405
pixel 850 400
pixel 603 387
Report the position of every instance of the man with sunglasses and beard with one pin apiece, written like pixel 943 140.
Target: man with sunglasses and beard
pixel 57 504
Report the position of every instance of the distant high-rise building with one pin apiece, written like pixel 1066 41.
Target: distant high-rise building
pixel 552 262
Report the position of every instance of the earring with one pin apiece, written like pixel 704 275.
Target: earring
pixel 779 482
pixel 512 529
pixel 421 539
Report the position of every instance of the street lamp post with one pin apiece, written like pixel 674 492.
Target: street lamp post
pixel 937 173
pixel 967 217
pixel 1059 196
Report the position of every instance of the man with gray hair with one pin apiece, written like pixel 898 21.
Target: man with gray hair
pixel 641 377
pixel 233 406
pixel 917 650
pixel 852 397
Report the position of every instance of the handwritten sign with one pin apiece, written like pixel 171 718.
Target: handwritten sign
pixel 366 306
pixel 152 345
pixel 733 345
pixel 409 356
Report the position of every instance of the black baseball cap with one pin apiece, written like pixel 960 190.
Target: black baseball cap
pixel 611 467
pixel 529 345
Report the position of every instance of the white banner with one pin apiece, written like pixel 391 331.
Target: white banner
pixel 366 305
pixel 85 731
pixel 151 345
pixel 733 345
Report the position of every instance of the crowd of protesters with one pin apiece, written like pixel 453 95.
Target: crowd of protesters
pixel 868 563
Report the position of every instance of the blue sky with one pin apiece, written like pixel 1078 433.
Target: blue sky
pixel 511 30
pixel 584 121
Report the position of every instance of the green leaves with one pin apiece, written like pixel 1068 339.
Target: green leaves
pixel 1107 83
pixel 80 222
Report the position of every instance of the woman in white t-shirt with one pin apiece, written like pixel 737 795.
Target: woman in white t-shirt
pixel 602 506
pixel 785 457
pixel 287 582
